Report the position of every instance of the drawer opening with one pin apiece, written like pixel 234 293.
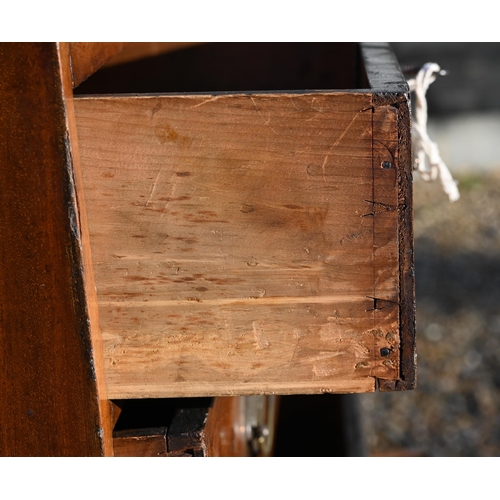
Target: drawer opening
pixel 236 67
pixel 146 413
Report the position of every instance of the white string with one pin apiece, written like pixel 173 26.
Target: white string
pixel 428 161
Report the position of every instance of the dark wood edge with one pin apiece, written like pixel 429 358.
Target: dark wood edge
pixel 382 69
pixel 186 433
pixel 389 88
pixel 405 243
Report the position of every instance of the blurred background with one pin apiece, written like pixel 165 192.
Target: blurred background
pixel 455 410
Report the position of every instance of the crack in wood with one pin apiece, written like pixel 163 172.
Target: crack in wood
pixel 378 304
pixel 384 208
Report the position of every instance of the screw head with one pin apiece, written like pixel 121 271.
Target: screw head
pixel 385 351
pixel 386 164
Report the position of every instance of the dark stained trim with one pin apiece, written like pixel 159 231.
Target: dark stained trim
pixel 389 88
pixel 382 69
pixel 406 256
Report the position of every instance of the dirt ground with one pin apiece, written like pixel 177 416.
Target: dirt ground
pixel 455 410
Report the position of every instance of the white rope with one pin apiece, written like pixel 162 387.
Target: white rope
pixel 428 161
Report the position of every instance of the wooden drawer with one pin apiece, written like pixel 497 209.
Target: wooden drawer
pixel 255 241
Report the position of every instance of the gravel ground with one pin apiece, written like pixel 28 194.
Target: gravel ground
pixel 455 410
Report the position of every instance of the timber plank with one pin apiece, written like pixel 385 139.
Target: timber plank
pixel 232 249
pixel 50 399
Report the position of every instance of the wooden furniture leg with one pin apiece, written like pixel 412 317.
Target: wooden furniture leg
pixel 52 397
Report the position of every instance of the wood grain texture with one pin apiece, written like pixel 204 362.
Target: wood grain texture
pixel 49 397
pixel 87 57
pixel 233 242
pixel 385 229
